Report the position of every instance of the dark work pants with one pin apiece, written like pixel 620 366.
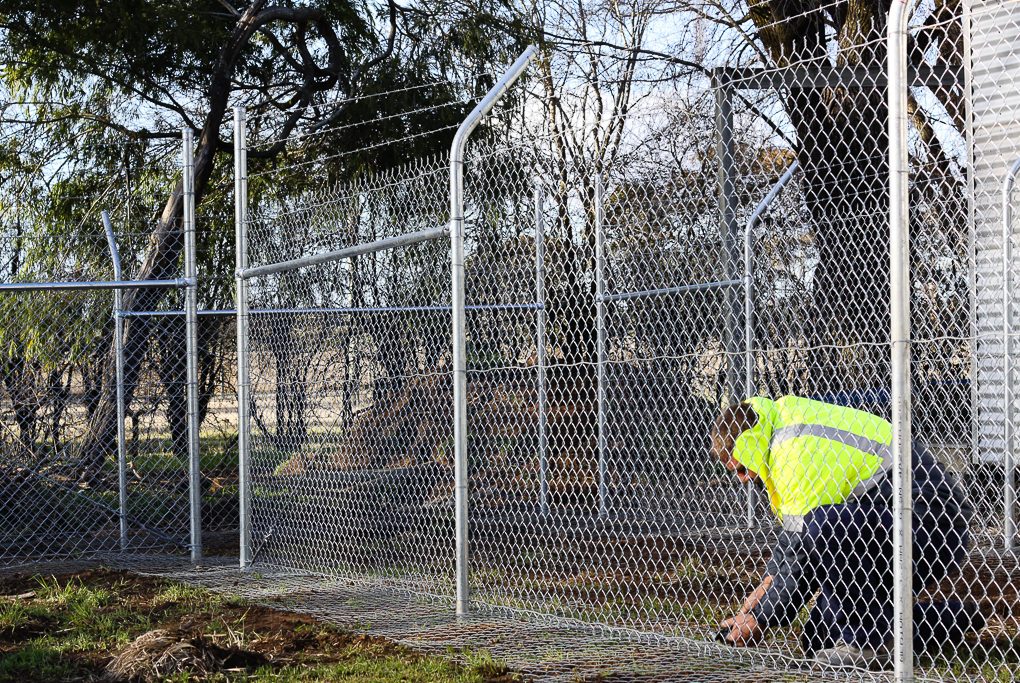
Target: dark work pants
pixel 850 567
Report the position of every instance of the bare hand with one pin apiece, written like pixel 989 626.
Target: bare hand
pixel 756 595
pixel 743 629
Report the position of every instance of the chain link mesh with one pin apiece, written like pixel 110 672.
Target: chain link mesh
pixel 61 495
pixel 632 274
pixel 730 242
pixel 350 381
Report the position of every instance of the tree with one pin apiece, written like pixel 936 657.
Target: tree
pixel 842 145
pixel 81 68
pixel 836 131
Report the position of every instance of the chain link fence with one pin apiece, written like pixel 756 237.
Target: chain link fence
pixel 672 399
pixel 622 294
pixel 351 380
pixel 74 487
pixel 156 427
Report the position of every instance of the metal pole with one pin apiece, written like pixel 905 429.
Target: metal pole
pixel 728 230
pixel 459 331
pixel 600 340
pixel 398 241
pixel 91 285
pixel 191 347
pixel 118 354
pixel 1009 467
pixel 540 341
pixel 972 260
pixel 899 241
pixel 232 312
pixel 241 305
pixel 749 388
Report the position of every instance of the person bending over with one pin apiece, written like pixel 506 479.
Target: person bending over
pixel 827 471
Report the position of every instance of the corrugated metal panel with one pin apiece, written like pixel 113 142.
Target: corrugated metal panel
pixel 995 105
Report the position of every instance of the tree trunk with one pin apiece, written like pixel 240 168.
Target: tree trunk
pixel 842 147
pixel 19 384
pixel 291 387
pixel 164 250
pixel 173 374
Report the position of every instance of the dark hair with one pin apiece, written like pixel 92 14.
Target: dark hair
pixel 731 423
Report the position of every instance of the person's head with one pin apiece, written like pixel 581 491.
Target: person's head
pixel 731 423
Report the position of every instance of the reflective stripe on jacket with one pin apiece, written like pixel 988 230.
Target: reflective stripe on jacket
pixel 808 453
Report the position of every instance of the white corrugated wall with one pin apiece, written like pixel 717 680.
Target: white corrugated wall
pixel 995 113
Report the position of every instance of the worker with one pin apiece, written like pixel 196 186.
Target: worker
pixel 827 471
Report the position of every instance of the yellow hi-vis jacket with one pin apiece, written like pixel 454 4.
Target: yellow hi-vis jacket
pixel 808 454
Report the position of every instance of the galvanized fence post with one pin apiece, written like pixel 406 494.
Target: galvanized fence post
pixel 540 342
pixel 118 353
pixel 600 340
pixel 971 193
pixel 749 388
pixel 191 347
pixel 899 242
pixel 459 331
pixel 726 154
pixel 241 306
pixel 1008 463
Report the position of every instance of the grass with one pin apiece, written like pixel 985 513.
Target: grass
pixel 13 616
pixel 70 628
pixel 990 660
pixel 35 662
pixel 154 452
pixel 154 455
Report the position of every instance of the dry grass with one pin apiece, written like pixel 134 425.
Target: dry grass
pixel 161 654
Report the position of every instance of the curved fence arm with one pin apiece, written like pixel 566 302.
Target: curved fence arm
pixel 767 200
pixel 117 284
pixel 459 328
pixel 111 241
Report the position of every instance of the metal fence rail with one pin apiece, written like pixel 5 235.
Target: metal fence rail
pixel 395 242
